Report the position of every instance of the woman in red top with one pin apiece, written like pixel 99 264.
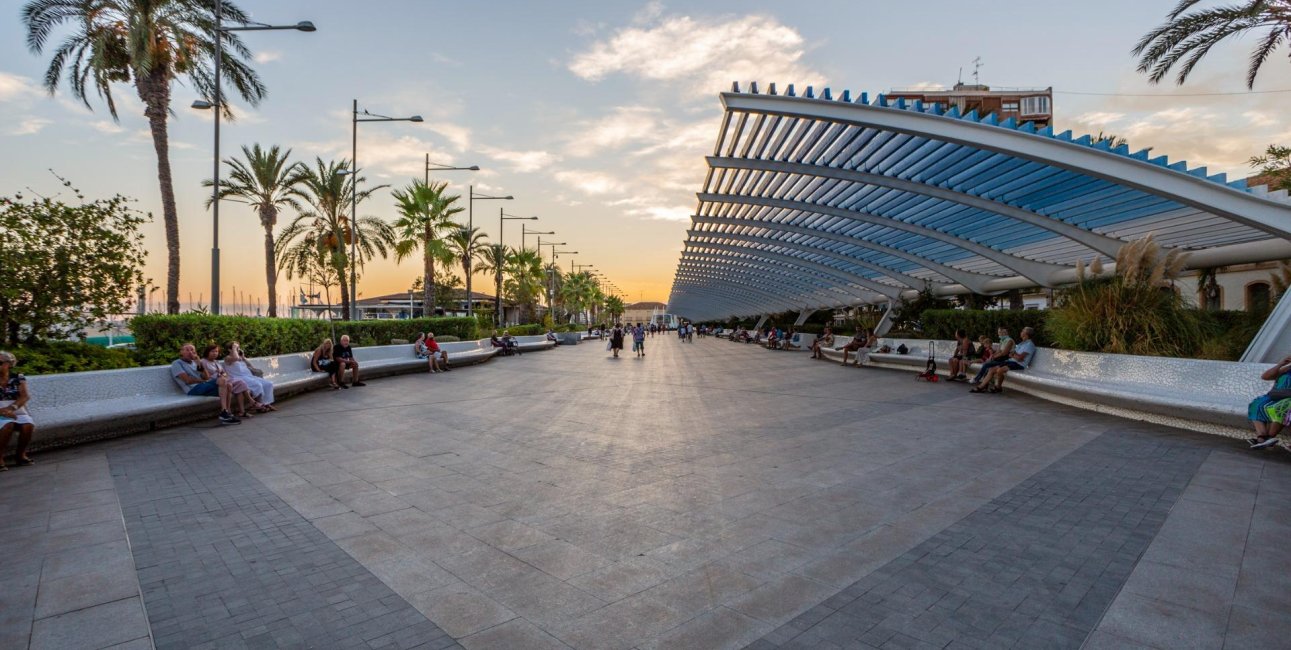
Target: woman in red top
pixel 438 358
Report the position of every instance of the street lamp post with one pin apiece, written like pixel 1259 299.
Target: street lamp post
pixel 217 104
pixel 497 299
pixel 554 254
pixel 437 167
pixel 525 233
pixel 472 197
pixel 353 307
pixel 551 276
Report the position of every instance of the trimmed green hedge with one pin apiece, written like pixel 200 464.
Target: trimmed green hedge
pixel 533 329
pixel 69 356
pixel 158 336
pixel 941 323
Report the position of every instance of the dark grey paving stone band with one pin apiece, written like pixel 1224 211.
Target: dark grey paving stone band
pixel 223 562
pixel 1035 568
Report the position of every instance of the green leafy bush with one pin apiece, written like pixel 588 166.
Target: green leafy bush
pixel 526 330
pixel 158 336
pixel 941 324
pixel 69 356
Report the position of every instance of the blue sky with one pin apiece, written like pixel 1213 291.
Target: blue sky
pixel 596 115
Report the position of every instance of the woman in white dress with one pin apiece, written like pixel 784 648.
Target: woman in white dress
pixel 238 367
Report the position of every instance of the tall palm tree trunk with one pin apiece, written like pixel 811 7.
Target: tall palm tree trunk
pixel 154 91
pixel 339 264
pixel 269 216
pixel 428 285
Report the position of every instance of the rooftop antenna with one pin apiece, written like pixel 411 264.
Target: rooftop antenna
pixel 977 67
pixel 960 82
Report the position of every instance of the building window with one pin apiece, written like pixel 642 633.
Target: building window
pixel 1258 297
pixel 1211 296
pixel 1009 107
pixel 1038 105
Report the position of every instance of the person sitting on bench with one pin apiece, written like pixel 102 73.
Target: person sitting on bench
pixel 998 359
pixel 858 342
pixel 959 357
pixel 1019 359
pixel 343 355
pixel 825 340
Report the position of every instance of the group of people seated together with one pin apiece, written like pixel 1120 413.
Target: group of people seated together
pixel 1271 413
pixel 426 348
pixel 335 360
pixel 507 345
pixel 997 360
pixel 231 377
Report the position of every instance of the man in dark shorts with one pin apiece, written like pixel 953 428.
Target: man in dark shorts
pixel 194 382
pixel 344 356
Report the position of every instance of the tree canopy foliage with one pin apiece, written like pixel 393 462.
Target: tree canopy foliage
pixel 67 266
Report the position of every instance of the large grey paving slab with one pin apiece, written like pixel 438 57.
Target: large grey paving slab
pixel 224 562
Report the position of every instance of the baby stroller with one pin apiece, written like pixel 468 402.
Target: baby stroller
pixel 930 370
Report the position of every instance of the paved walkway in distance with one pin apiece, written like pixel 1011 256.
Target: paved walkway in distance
pixel 711 495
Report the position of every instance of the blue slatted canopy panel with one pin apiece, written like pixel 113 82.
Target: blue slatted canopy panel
pixel 815 203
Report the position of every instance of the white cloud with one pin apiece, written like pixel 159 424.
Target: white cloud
pixel 267 56
pixel 521 161
pixel 1260 118
pixel 703 54
pixel 589 182
pixel 29 126
pixel 457 135
pixel 107 126
pixel 14 87
pixel 624 125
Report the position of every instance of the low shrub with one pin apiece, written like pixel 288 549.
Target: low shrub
pixel 941 324
pixel 447 338
pixel 526 330
pixel 69 356
pixel 158 336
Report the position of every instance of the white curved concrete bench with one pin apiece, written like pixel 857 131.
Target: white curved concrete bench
pixel 1197 394
pixel 801 341
pixel 534 343
pixel 80 406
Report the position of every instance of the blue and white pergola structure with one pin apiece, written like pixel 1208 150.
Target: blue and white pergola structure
pixel 814 202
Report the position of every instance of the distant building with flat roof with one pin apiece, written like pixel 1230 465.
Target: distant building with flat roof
pixel 1022 104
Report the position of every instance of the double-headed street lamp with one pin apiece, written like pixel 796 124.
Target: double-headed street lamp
pixel 503 217
pixel 217 103
pixel 357 117
pixel 472 197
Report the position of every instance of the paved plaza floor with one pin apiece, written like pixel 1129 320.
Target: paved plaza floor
pixel 711 495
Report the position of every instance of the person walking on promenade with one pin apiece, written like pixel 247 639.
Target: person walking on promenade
pixel 638 340
pixel 616 339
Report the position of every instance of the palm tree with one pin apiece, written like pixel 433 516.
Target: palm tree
pixel 495 261
pixel 614 306
pixel 580 293
pixel 1186 37
pixel 468 246
pixel 322 230
pixel 425 211
pixel 525 284
pixel 148 43
pixel 263 181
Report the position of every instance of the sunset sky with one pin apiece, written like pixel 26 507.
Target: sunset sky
pixel 596 115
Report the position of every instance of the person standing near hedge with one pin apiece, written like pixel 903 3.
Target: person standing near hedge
pixel 13 412
pixel 343 355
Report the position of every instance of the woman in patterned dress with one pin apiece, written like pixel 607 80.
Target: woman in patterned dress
pixel 13 411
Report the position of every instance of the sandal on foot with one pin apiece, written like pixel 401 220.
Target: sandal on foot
pixel 977 389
